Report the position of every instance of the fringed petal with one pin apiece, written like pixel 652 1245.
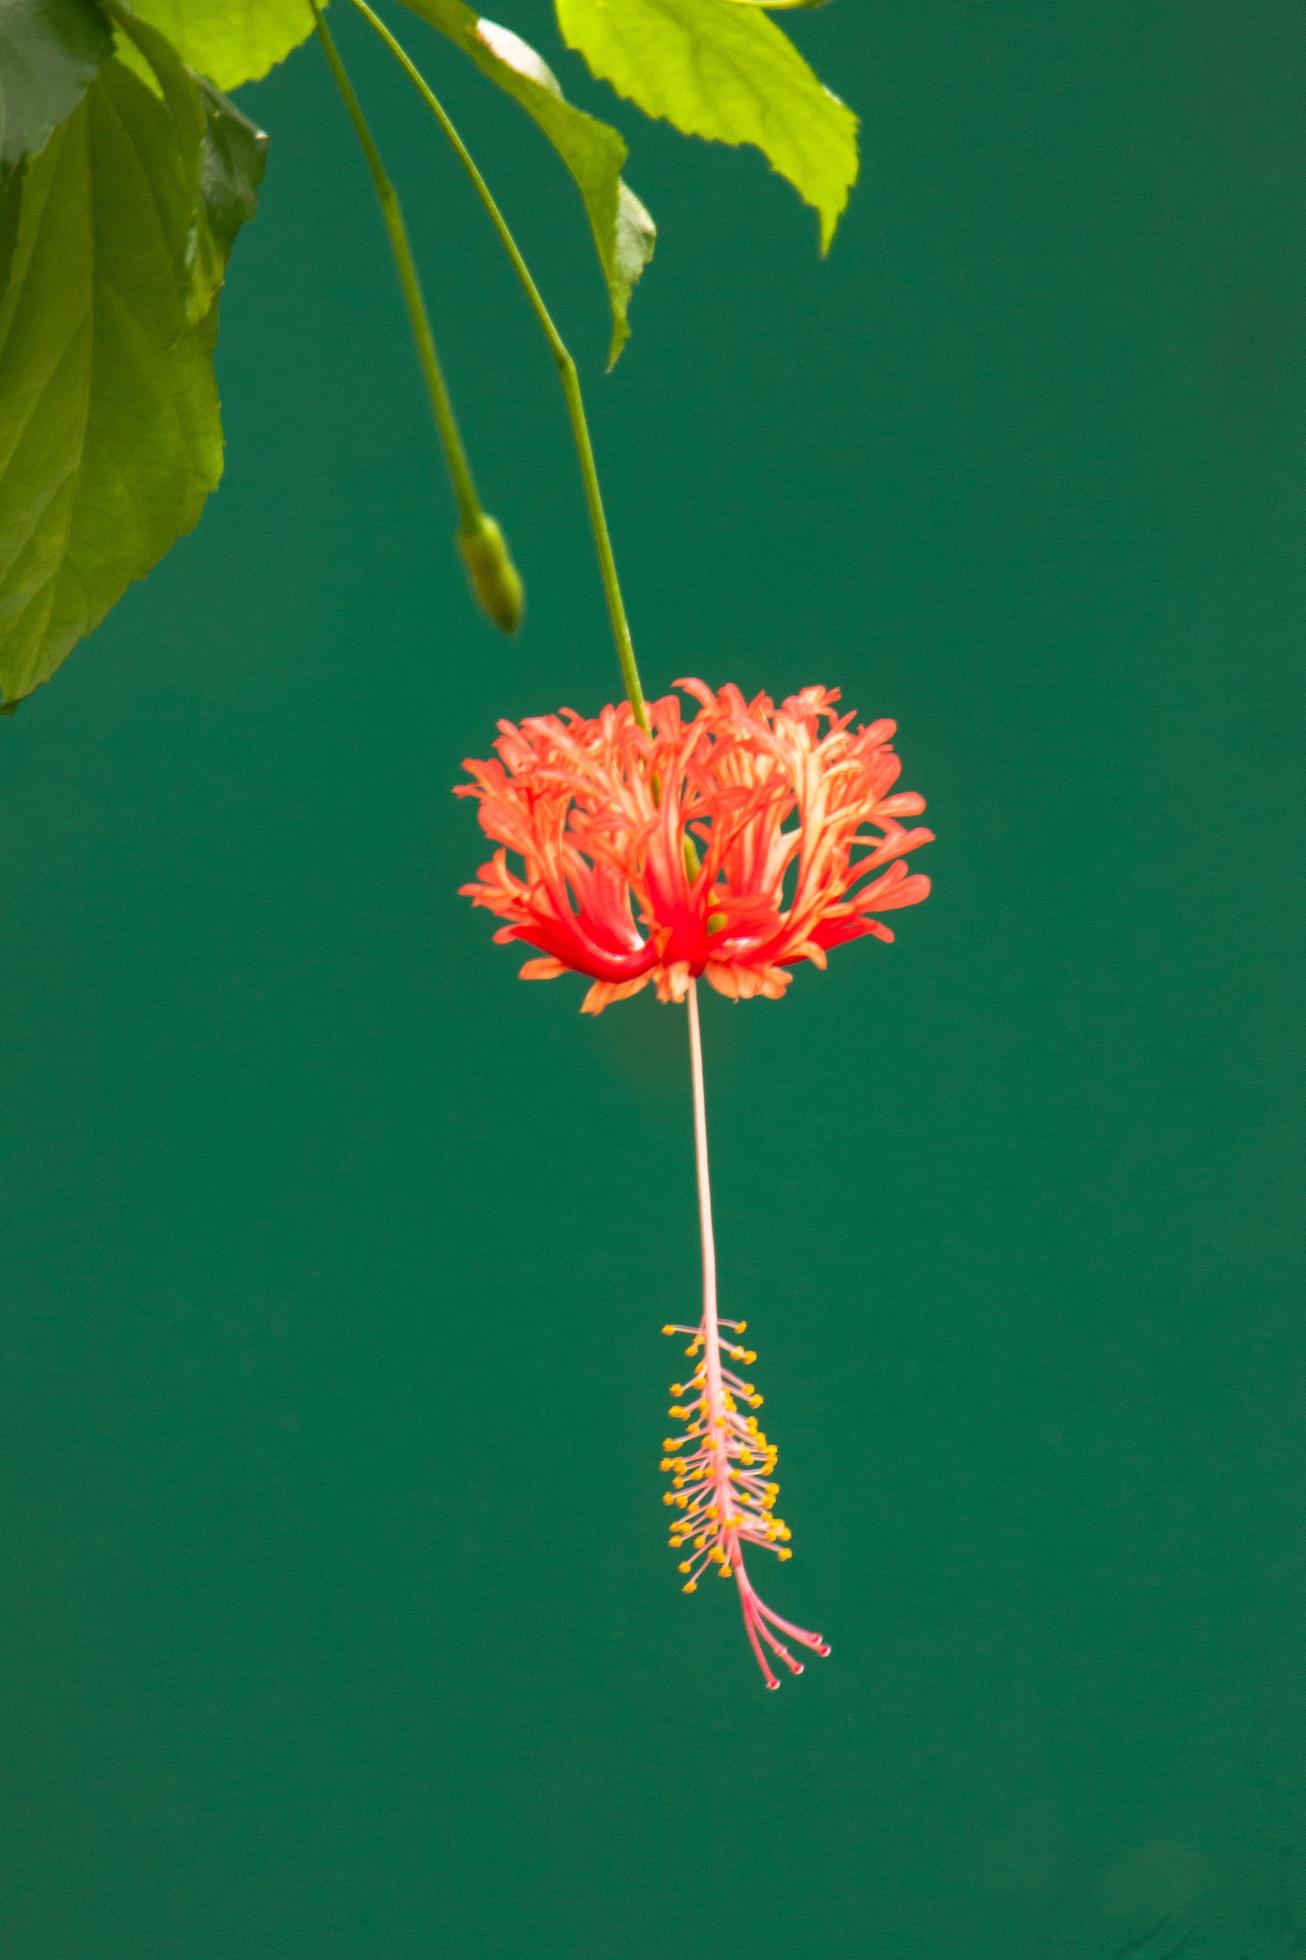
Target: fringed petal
pixel 734 843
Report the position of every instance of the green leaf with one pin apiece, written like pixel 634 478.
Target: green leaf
pixel 50 51
pixel 11 204
pixel 232 163
pixel 230 41
pixel 217 160
pixel 593 152
pixel 717 69
pixel 110 438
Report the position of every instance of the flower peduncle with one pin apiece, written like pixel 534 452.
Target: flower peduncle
pixel 568 373
pixel 723 1488
pixel 495 582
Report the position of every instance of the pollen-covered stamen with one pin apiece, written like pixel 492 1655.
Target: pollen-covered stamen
pixel 730 1472
pixel 723 1490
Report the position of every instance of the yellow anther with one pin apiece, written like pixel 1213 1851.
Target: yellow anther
pixel 745 1457
pixel 677 1388
pixel 783 1553
pixel 756 1401
pixel 668 1497
pixel 686 1565
pixel 711 1511
pixel 680 1499
pixel 750 1357
pixel 690 1585
pixel 668 1329
pixel 678 1414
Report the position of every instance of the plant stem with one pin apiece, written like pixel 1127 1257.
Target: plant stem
pixel 470 514
pixel 566 366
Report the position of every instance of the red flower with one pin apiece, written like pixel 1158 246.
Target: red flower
pixel 732 845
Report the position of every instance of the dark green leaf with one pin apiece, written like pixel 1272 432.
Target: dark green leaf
pixel 233 160
pixel 49 53
pixel 11 204
pixel 110 439
pixel 218 158
pixel 230 41
pixel 718 69
pixel 593 152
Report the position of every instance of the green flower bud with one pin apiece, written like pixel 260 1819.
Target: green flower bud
pixel 494 579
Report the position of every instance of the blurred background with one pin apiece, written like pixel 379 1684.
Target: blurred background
pixel 340 1620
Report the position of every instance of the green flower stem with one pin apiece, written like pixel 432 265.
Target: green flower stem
pixel 563 361
pixel 470 514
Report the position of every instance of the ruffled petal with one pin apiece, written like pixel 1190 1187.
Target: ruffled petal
pixel 604 992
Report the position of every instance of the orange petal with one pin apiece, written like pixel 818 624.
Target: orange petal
pixel 604 992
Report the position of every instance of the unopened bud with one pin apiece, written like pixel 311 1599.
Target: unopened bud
pixel 494 579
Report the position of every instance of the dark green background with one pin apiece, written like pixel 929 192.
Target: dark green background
pixel 339 1618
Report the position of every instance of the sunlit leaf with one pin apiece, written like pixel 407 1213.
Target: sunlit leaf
pixel 719 69
pixel 593 152
pixel 110 439
pixel 230 41
pixel 50 51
